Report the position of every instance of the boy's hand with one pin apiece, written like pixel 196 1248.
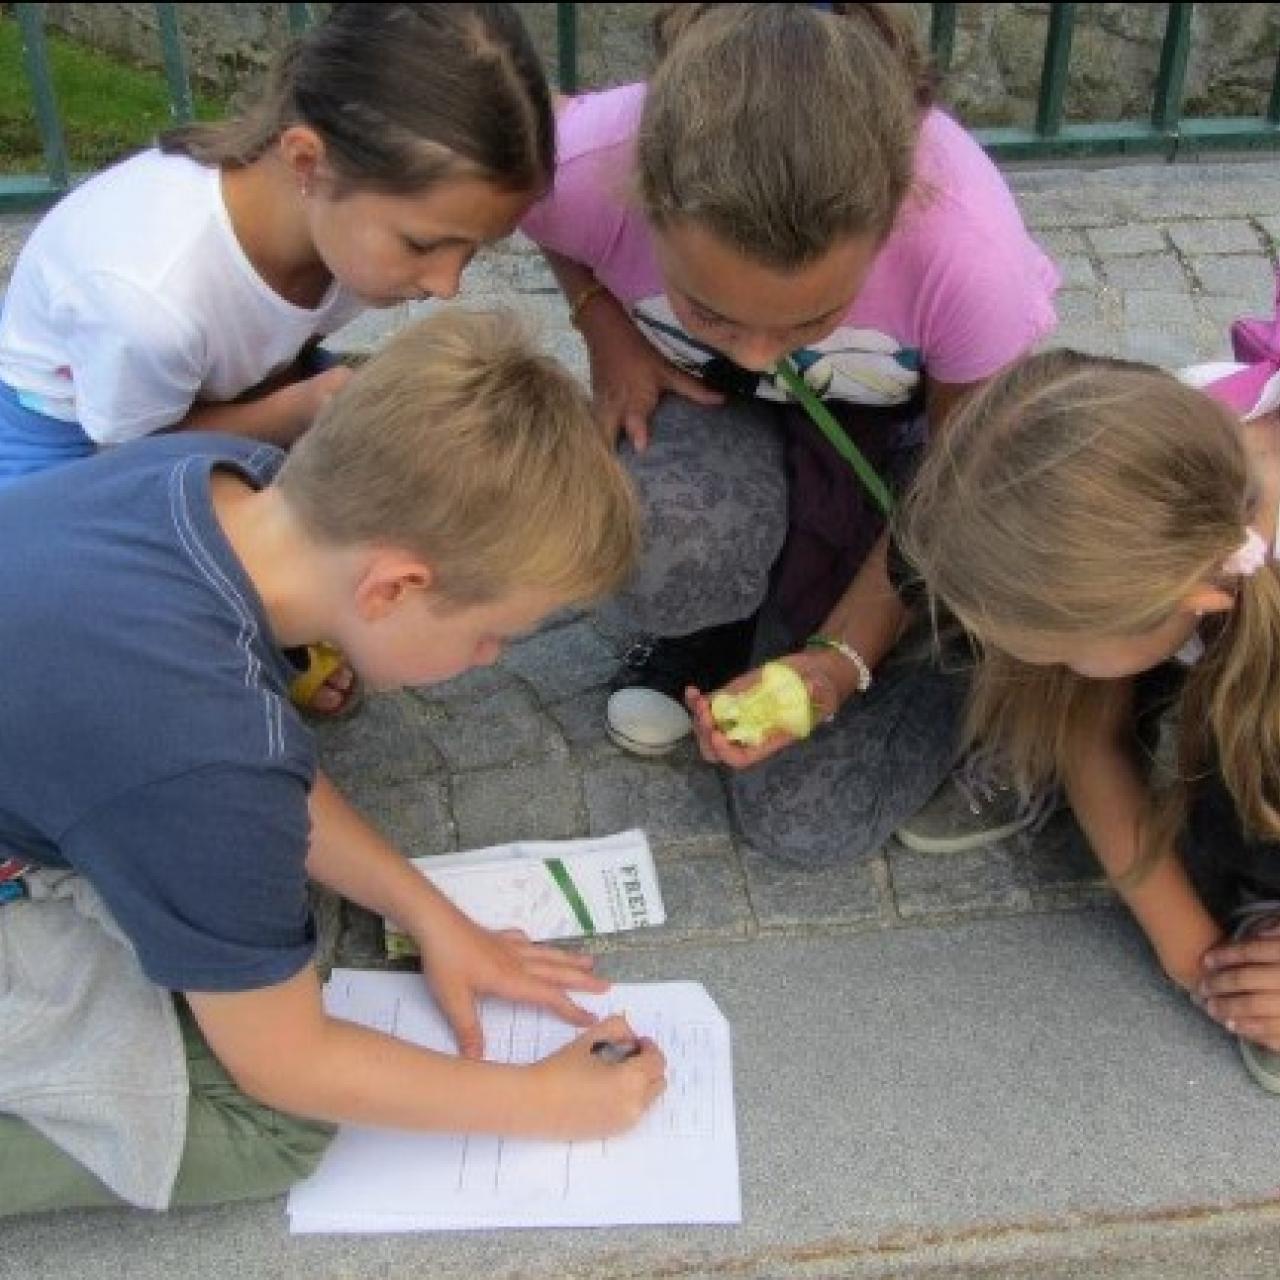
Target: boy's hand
pixel 629 375
pixel 1241 987
pixel 583 1096
pixel 462 962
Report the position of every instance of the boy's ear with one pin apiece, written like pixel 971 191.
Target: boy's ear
pixel 1208 598
pixel 303 152
pixel 388 578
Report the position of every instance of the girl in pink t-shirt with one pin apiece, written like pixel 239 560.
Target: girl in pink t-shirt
pixel 782 190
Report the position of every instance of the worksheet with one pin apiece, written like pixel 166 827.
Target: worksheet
pixel 679 1165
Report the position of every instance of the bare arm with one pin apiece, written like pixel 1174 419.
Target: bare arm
pixel 278 416
pixel 1110 798
pixel 281 1048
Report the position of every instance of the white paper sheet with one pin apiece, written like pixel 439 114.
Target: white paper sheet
pixel 680 1165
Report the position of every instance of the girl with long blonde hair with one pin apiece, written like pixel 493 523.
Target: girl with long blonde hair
pixel 1105 535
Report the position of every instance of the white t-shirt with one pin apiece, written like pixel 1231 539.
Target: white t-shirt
pixel 133 298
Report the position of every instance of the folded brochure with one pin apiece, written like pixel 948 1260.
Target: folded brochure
pixel 548 888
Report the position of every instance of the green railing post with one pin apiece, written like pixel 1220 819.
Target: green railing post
pixel 181 104
pixel 1053 75
pixel 1172 75
pixel 1273 107
pixel 299 18
pixel 35 59
pixel 942 35
pixel 567 47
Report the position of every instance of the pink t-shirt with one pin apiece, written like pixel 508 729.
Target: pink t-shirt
pixel 959 289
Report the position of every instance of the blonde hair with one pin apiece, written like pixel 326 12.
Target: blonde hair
pixel 463 444
pixel 1079 496
pixel 779 128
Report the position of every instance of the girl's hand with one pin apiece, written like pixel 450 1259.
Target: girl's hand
pixel 628 375
pixel 315 392
pixel 582 1096
pixel 462 962
pixel 1241 987
pixel 813 667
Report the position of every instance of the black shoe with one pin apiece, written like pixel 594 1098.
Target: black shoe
pixel 646 713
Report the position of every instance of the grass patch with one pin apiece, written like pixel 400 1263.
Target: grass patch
pixel 108 108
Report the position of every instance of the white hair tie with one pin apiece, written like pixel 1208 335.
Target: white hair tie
pixel 1249 557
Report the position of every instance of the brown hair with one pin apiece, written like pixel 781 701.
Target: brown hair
pixel 780 128
pixel 1080 496
pixel 463 444
pixel 403 95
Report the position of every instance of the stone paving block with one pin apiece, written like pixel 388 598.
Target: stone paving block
pixel 1193 238
pixel 413 814
pixel 1078 306
pixel 503 728
pixel 479 682
pixel 1077 271
pixel 582 720
pixel 1221 311
pixel 704 896
pixel 1146 271
pixel 326 913
pixel 1169 348
pixel 533 802
pixel 361 944
pixel 1057 856
pixel 943 884
pixel 785 897
pixel 1119 242
pixel 387 740
pixel 1145 308
pixel 676 805
pixel 1250 280
pixel 1271 225
pixel 563 662
pixel 1062 242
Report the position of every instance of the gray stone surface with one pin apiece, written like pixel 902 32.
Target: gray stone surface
pixel 1145 271
pixel 1235 236
pixel 1248 279
pixel 930 884
pixel 1117 242
pixel 785 897
pixel 675 804
pixel 535 800
pixel 961 1100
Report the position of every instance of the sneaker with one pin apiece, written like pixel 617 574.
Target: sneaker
pixel 975 806
pixel 1262 1064
pixel 646 713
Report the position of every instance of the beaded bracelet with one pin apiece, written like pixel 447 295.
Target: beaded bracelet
pixel 847 651
pixel 575 309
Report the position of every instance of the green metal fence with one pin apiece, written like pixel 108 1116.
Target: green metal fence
pixel 1166 132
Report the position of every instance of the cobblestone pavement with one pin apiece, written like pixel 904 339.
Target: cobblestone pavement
pixel 1156 261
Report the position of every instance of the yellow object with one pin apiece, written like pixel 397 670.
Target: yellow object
pixel 324 661
pixel 779 701
pixel 591 291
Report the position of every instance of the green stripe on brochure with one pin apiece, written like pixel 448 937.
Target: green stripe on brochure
pixel 560 874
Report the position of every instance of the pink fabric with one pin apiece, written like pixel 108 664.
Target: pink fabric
pixel 959 289
pixel 1256 344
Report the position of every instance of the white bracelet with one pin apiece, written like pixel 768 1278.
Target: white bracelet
pixel 845 650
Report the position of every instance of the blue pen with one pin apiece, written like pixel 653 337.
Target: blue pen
pixel 615 1050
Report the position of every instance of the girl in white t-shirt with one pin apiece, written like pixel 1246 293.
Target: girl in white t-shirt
pixel 188 287
pixel 1105 532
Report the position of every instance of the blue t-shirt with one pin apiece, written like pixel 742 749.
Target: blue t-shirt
pixel 146 735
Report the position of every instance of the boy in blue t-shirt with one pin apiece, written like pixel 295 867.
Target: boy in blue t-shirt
pixel 164 793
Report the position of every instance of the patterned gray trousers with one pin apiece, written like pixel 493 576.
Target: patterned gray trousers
pixel 713 489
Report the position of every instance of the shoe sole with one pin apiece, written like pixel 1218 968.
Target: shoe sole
pixel 958 844
pixel 1269 1080
pixel 641 748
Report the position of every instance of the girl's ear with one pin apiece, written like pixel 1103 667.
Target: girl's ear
pixel 387 580
pixel 303 152
pixel 1208 598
